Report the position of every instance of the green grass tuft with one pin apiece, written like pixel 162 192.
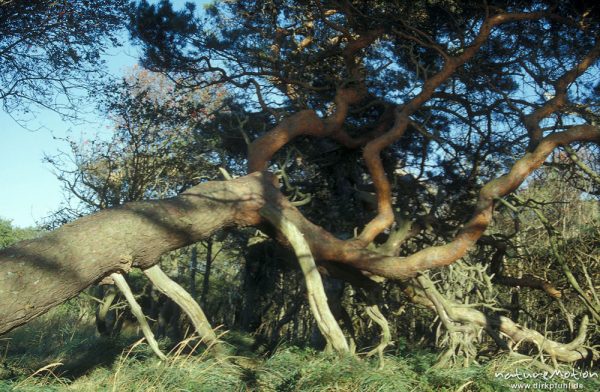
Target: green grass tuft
pixel 61 352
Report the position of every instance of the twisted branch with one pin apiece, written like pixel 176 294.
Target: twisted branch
pixel 565 352
pixel 372 151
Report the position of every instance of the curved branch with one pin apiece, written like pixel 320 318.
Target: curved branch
pixel 561 85
pixel 317 298
pixel 530 281
pixel 136 309
pixel 439 256
pixel 372 151
pixel 325 246
pixel 189 305
pixel 565 352
pixel 585 168
pixel 307 123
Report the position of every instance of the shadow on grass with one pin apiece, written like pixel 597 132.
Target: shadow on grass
pixel 60 336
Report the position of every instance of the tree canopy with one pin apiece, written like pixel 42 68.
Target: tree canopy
pixel 50 51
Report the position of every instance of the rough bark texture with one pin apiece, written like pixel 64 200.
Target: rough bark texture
pixel 39 274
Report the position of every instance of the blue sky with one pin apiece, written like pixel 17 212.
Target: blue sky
pixel 29 191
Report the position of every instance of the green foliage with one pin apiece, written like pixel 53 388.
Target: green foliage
pixel 10 234
pixel 285 56
pixel 554 212
pixel 68 355
pixel 294 369
pixel 282 57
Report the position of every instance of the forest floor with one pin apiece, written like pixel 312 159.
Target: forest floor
pixel 62 352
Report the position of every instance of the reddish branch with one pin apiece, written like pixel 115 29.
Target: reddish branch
pixel 527 280
pixel 308 123
pixel 372 151
pixel 439 256
pixel 39 274
pixel 326 247
pixel 530 281
pixel 532 121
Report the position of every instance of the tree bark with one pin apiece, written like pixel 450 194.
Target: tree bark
pixel 206 277
pixel 136 309
pixel 39 274
pixel 317 298
pixel 573 351
pixel 186 302
pixel 193 268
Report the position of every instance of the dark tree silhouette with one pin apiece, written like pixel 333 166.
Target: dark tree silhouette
pixel 50 51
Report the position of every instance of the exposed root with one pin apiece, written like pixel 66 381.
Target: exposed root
pixel 375 314
pixel 460 317
pixel 459 337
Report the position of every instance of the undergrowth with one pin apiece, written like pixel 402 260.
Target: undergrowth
pixel 61 352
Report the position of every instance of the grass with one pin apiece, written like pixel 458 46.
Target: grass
pixel 61 352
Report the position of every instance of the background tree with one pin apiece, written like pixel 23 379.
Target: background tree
pixel 159 147
pixel 50 51
pixel 10 235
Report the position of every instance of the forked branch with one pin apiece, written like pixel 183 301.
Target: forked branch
pixel 372 151
pixel 468 316
pixel 136 309
pixel 185 301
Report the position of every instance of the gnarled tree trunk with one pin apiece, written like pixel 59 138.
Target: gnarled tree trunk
pixel 39 274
